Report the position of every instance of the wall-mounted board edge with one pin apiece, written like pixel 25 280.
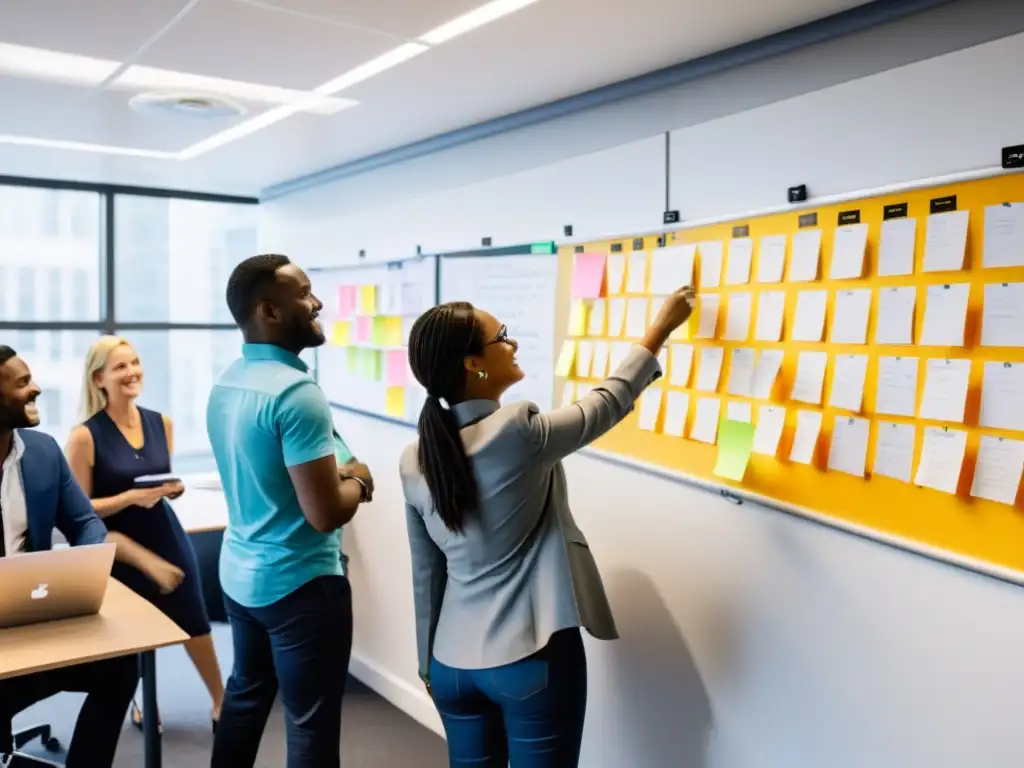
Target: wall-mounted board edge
pixel 739 496
pixel 371 415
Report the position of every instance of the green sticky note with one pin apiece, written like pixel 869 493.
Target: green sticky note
pixel 372 366
pixel 353 362
pixel 735 443
pixel 379 333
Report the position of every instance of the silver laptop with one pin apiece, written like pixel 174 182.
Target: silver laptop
pixel 59 584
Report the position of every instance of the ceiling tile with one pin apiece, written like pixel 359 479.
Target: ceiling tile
pixel 105 29
pixel 222 38
pixel 397 17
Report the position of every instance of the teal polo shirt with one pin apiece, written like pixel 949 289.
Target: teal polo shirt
pixel 266 413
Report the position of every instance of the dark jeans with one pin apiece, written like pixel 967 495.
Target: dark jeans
pixel 300 645
pixel 109 686
pixel 528 714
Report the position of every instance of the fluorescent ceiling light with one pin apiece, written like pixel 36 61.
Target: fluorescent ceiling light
pixel 79 146
pixel 53 65
pixel 485 14
pixel 385 61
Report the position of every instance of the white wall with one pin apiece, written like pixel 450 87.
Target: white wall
pixel 750 639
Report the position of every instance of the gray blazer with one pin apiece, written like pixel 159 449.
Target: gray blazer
pixel 521 570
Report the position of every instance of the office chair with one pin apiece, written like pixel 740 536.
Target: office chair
pixel 23 737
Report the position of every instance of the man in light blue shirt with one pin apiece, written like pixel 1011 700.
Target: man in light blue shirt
pixel 290 484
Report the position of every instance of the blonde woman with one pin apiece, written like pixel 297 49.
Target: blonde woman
pixel 117 443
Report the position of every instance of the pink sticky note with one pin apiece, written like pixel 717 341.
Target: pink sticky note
pixel 587 275
pixel 346 300
pixel 396 368
pixel 363 327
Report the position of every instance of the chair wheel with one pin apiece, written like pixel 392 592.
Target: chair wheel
pixel 52 744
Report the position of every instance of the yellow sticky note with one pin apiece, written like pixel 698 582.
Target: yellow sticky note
pixel 393 332
pixel 341 333
pixel 394 404
pixel 368 299
pixel 735 442
pixel 578 319
pixel 565 359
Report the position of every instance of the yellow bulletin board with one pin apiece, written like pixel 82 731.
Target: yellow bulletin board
pixel 957 527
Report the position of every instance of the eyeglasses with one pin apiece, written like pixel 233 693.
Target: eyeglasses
pixel 500 338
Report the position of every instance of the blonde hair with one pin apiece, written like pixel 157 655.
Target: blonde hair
pixel 94 399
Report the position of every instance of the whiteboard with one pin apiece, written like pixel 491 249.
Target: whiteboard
pixel 519 291
pixel 386 386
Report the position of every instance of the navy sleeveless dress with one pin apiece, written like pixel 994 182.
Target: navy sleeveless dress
pixel 117 464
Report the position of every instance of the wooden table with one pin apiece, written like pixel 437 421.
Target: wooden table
pixel 126 624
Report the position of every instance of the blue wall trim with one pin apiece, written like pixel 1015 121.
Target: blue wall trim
pixel 848 22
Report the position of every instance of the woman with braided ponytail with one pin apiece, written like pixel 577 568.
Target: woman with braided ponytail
pixel 503 577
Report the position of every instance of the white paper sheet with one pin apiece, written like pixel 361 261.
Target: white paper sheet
pixel 894 451
pixel 771 419
pixel 615 273
pixel 945 389
pixel 617 356
pixel 709 368
pixel 997 475
pixel 741 371
pixel 680 365
pixel 672 268
pixel 663 359
pixel 736 410
pixel 676 406
pixel 896 248
pixel 650 408
pixel 850 319
pixel 1002 323
pixel 896 394
pixel 636 318
pixel 895 321
pixel 741 253
pixel 597 317
pixel 942 458
pixel 599 367
pixel 1004 235
pixel 737 318
pixel 616 316
pixel 705 422
pixel 771 308
pixel 809 323
pixel 945 314
pixel 810 377
pixel 636 272
pixel 708 306
pixel 805 441
pixel 1002 396
pixel 582 390
pixel 769 361
pixel 848 452
pixel 771 259
pixel 568 393
pixel 848 375
pixel 584 359
pixel 946 241
pixel 710 264
pixel 805 256
pixel 849 243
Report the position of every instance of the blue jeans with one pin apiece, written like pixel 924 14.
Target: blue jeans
pixel 528 714
pixel 299 645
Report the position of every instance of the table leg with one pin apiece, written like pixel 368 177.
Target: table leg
pixel 150 712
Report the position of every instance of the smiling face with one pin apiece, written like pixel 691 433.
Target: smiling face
pixel 121 377
pixel 18 395
pixel 497 360
pixel 298 309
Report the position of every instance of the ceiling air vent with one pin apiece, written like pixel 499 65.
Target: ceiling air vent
pixel 199 105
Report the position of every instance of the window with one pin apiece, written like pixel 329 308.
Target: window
pixel 26 293
pixel 60 378
pixel 54 296
pixel 173 257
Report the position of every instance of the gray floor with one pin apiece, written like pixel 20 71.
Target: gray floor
pixel 375 734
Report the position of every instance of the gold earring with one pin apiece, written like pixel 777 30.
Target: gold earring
pixel 481 374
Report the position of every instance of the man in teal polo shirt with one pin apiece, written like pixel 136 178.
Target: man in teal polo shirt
pixel 290 484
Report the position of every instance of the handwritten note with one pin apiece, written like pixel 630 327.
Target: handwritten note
pixel 848 375
pixel 708 305
pixel 895 321
pixel 946 241
pixel 597 318
pixel 806 256
pixel 615 272
pixel 945 315
pixel 894 451
pixel 709 370
pixel 771 420
pixel 771 259
pixel 672 268
pixel 737 318
pixel 1004 235
pixel 588 275
pixel 1000 464
pixel 809 323
pixel 896 248
pixel 680 364
pixel 616 316
pixel 771 307
pixel 942 458
pixel 741 372
pixel 896 393
pixel 735 442
pixel 1002 396
pixel 650 408
pixel 810 377
pixel 741 252
pixel 705 422
pixel 676 406
pixel 849 450
pixel 849 243
pixel 850 321
pixel 805 441
pixel 1002 324
pixel 769 362
pixel 636 274
pixel 945 389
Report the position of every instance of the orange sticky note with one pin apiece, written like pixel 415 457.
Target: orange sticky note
pixel 368 299
pixel 578 318
pixel 394 402
pixel 587 275
pixel 566 359
pixel 341 333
